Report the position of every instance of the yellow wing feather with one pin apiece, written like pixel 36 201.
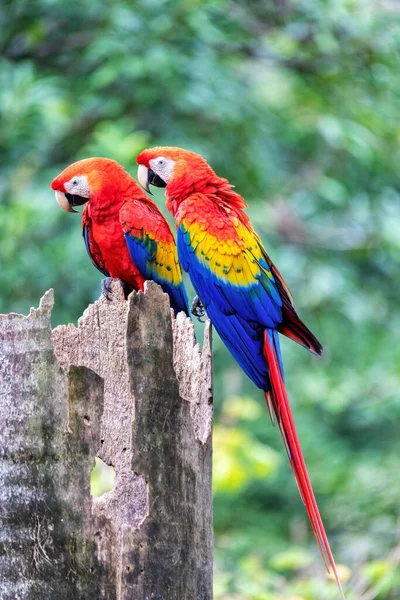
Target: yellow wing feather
pixel 235 261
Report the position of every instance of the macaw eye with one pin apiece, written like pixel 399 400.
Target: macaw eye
pixel 160 162
pixel 74 182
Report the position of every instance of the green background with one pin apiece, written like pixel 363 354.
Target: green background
pixel 298 104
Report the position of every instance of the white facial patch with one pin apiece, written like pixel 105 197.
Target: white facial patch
pixel 163 167
pixel 79 186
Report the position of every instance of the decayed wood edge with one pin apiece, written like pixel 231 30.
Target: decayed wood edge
pixel 193 368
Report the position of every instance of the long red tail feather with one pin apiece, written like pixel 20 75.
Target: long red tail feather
pixel 279 400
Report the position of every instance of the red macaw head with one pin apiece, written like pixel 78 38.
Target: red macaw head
pixel 87 178
pixel 179 170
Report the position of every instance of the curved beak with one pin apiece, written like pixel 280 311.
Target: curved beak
pixel 147 176
pixel 143 174
pixel 67 201
pixel 64 202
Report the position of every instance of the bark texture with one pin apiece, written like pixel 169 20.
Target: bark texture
pixel 129 385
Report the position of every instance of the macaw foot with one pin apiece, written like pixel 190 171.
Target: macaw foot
pixel 106 288
pixel 126 288
pixel 197 309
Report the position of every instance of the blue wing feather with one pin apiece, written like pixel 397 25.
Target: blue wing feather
pixel 143 253
pixel 233 312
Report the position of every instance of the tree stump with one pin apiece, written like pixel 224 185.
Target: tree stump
pixel 128 385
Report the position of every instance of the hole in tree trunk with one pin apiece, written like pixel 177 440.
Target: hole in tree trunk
pixel 102 478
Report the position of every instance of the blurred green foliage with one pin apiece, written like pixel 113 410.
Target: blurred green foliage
pixel 298 104
pixel 101 478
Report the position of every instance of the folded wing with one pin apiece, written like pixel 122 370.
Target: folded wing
pixel 152 247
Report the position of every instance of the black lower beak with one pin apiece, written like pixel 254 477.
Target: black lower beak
pixel 75 200
pixel 155 179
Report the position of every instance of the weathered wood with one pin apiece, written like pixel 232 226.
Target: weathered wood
pixel 139 397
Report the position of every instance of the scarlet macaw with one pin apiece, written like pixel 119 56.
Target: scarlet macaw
pixel 245 296
pixel 125 234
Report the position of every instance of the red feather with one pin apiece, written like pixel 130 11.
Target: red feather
pixel 279 400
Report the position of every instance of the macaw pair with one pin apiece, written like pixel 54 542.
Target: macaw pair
pixel 126 235
pixel 241 290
